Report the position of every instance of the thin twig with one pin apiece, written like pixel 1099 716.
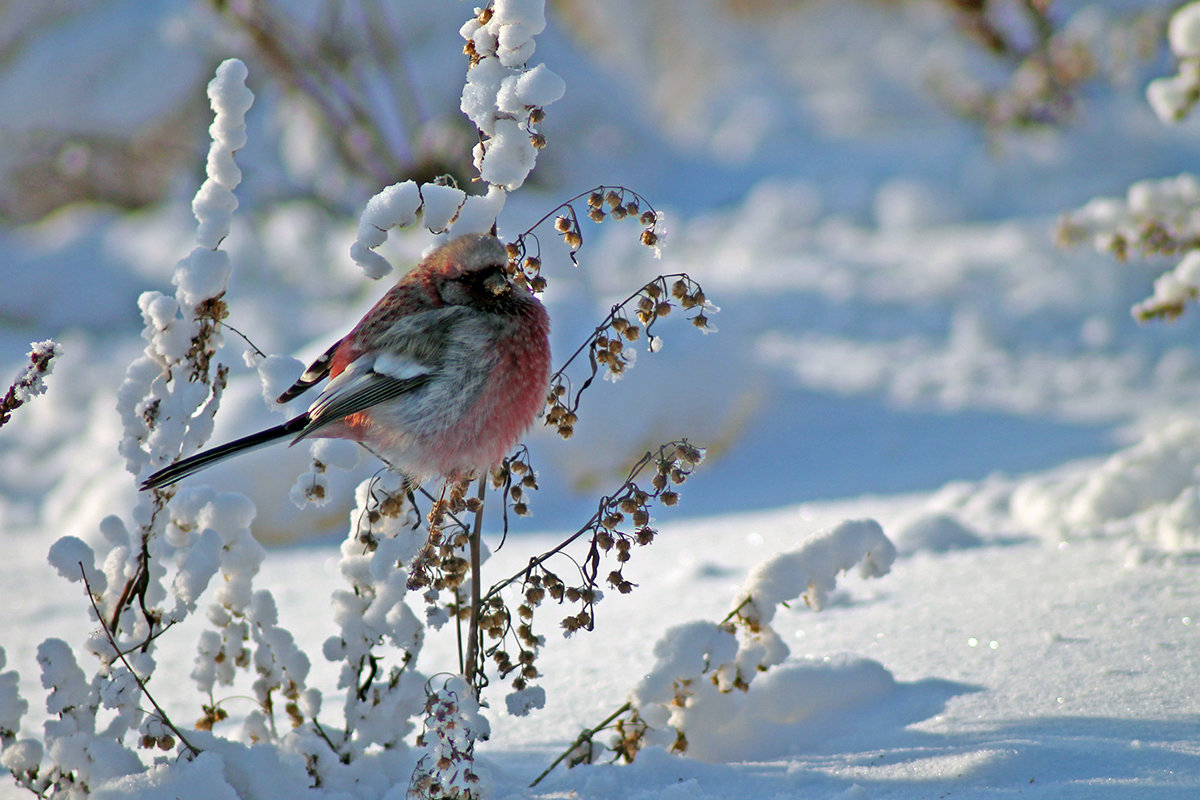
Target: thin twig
pixel 342 757
pixel 584 737
pixel 245 338
pixel 587 527
pixel 735 611
pixel 162 715
pixel 476 593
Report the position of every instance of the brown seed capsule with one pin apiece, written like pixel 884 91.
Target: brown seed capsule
pixel 649 238
pixel 612 198
pixel 538 140
pixel 573 239
pixel 668 498
pixel 648 218
pixel 596 215
pixel 679 289
pixel 595 200
pixel 562 223
pixel 536 115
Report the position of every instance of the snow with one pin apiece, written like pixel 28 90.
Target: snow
pixel 1184 31
pixel 952 492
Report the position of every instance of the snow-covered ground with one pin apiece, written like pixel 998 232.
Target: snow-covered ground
pixel 899 339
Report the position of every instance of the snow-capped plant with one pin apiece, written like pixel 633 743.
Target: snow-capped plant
pixel 1173 97
pixel 31 382
pixel 1156 217
pixel 697 661
pixel 1034 62
pixel 152 574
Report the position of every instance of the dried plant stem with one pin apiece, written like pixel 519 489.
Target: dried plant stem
pixel 584 737
pixel 476 545
pixel 162 715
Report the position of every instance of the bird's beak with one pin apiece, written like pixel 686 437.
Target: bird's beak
pixel 497 283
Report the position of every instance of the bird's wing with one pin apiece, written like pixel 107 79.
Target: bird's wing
pixel 316 372
pixel 411 351
pixel 362 386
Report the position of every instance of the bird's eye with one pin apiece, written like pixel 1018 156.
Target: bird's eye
pixel 480 276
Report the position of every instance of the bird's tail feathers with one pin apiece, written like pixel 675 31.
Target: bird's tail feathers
pixel 192 464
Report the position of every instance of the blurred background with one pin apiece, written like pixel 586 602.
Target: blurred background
pixel 867 188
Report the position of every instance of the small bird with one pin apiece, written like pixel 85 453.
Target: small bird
pixel 441 377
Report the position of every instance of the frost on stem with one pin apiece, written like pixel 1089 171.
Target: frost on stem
pixel 21 757
pixel 1155 218
pixel 166 403
pixel 382 698
pixel 446 769
pixel 503 97
pixel 171 393
pixel 505 100
pixel 31 382
pixel 439 207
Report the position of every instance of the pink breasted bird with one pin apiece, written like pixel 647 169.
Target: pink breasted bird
pixel 441 377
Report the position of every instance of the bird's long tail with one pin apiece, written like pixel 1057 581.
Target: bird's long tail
pixel 204 460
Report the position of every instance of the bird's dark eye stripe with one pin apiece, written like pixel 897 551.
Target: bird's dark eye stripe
pixel 480 274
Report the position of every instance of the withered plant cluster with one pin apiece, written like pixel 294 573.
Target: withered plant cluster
pixel 1036 64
